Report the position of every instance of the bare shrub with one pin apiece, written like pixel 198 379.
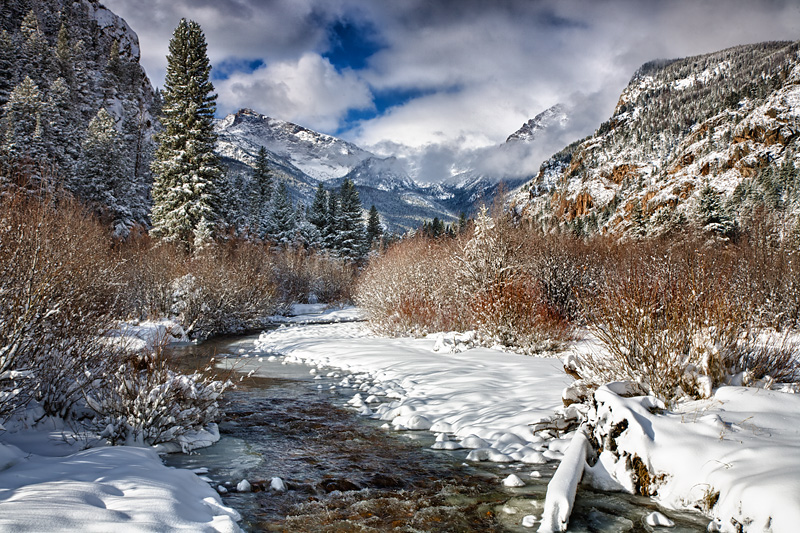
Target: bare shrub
pixel 150 269
pixel 670 320
pixel 58 296
pixel 769 271
pixel 412 289
pixel 229 288
pixel 512 313
pixel 487 281
pixel 139 399
pixel 307 276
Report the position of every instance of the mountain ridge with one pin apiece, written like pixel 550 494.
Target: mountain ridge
pixel 717 124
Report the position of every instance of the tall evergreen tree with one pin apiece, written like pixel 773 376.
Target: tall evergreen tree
pixel 23 123
pixel 104 171
pixel 283 222
pixel 351 233
pixel 374 229
pixel 712 215
pixel 35 51
pixel 260 194
pixel 331 229
pixel 7 66
pixel 186 169
pixel 318 212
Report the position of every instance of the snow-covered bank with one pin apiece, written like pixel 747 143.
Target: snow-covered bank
pixel 105 489
pixel 49 482
pixel 487 398
pixel 736 455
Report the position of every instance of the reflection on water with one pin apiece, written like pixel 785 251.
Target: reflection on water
pixel 345 473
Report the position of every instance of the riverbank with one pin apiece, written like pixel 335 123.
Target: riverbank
pixel 713 455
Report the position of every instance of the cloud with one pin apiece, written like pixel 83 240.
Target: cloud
pixel 470 72
pixel 308 91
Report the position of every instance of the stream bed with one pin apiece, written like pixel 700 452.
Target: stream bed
pixel 344 472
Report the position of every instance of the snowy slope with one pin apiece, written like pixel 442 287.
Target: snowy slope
pixel 724 119
pixel 303 158
pixel 319 156
pixel 553 116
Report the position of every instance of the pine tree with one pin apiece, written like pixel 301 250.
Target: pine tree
pixel 351 233
pixel 374 229
pixel 104 172
pixel 306 233
pixel 318 212
pixel 186 169
pixel 712 215
pixel 35 52
pixel 64 56
pixel 7 66
pixel 260 194
pixel 63 126
pixel 23 124
pixel 330 234
pixel 283 223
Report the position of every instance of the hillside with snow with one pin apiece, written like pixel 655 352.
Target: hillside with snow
pixel 302 158
pixel 721 126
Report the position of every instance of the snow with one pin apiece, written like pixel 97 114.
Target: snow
pixel 145 335
pixel 743 443
pixel 487 398
pixel 105 489
pixel 318 314
pixel 562 488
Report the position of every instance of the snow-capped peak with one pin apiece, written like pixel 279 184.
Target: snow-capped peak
pixel 549 117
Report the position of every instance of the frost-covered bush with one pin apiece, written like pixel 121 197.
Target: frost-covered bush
pixel 229 288
pixel 672 320
pixel 488 280
pixel 413 289
pixel 512 313
pixel 499 275
pixel 57 296
pixel 139 399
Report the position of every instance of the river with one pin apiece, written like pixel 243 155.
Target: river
pixel 344 472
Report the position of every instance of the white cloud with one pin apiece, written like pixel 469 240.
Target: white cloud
pixel 308 91
pixel 482 68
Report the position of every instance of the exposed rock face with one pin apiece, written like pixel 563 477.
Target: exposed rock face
pixel 82 57
pixel 555 115
pixel 730 119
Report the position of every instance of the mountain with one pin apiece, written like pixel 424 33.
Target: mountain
pixel 303 158
pixel 719 129
pixel 61 62
pixel 319 156
pixel 556 115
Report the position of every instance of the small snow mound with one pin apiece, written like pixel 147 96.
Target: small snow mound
pixel 277 485
pixel 488 454
pixel 418 423
pixel 244 486
pixel 529 521
pixel 533 457
pixel 657 519
pixel 513 480
pixel 443 442
pixel 473 442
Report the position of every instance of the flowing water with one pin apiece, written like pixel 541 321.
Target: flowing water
pixel 345 473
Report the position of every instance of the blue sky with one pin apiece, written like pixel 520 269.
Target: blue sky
pixel 442 75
